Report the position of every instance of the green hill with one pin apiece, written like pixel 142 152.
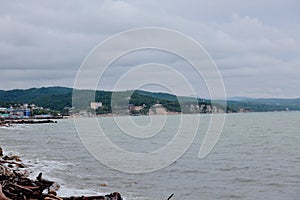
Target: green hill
pixel 265 105
pixel 58 98
pixel 55 98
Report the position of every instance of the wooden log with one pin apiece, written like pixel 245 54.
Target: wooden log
pixel 2 196
pixel 85 198
pixel 1 152
pixel 112 196
pixel 52 197
pixel 25 189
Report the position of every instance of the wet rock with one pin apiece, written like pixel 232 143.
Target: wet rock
pixel 14 157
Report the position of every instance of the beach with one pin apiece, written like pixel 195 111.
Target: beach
pixel 16 184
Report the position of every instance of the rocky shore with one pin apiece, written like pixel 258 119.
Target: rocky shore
pixel 15 184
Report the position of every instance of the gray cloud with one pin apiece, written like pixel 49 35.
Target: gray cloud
pixel 255 44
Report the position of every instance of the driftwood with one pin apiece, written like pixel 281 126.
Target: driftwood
pixel 2 196
pixel 112 196
pixel 170 196
pixel 15 184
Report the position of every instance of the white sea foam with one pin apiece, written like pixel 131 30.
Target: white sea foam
pixel 38 165
pixel 6 127
pixel 15 127
pixel 47 167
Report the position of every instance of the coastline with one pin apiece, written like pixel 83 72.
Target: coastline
pixel 15 183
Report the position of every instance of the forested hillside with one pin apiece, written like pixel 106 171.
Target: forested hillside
pixel 58 98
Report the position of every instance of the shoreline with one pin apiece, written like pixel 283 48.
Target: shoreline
pixel 16 184
pixel 174 114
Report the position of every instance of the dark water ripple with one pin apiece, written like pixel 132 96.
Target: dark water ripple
pixel 257 157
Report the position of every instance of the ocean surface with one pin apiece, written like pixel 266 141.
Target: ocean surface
pixel 257 157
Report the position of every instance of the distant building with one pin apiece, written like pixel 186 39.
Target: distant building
pixel 3 109
pixel 27 112
pixel 44 116
pixel 19 113
pixel 131 107
pixel 157 109
pixel 136 108
pixel 95 105
pixel 3 116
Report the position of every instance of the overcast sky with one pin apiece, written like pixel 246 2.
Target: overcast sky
pixel 255 44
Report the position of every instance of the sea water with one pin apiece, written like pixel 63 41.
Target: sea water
pixel 256 157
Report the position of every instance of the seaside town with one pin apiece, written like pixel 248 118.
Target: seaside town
pixel 27 114
pixel 26 111
pixel 31 113
pixel 48 103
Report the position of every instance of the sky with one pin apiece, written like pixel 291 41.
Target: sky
pixel 254 44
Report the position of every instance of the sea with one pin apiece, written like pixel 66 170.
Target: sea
pixel 257 156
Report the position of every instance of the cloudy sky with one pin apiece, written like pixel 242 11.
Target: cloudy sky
pixel 255 44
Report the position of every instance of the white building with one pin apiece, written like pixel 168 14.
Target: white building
pixel 157 109
pixel 95 105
